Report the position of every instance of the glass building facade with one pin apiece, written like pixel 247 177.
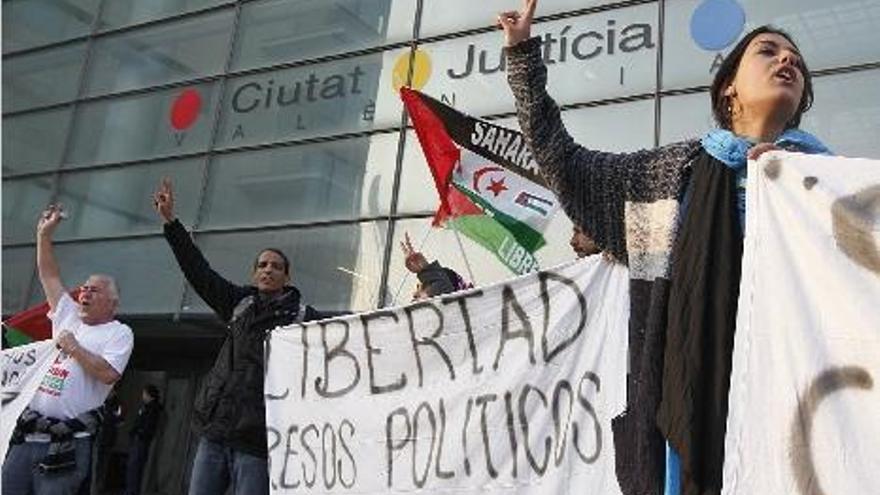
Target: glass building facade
pixel 279 123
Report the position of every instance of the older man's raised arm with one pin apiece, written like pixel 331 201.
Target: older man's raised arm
pixel 47 266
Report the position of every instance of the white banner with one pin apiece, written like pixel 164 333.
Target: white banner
pixel 804 411
pixel 505 389
pixel 23 369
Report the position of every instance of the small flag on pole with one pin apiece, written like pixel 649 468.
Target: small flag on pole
pixel 487 181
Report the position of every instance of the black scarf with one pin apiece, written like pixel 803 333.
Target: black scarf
pixel 701 324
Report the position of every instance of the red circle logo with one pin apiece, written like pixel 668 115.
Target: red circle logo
pixel 185 109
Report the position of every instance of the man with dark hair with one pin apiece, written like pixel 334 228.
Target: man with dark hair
pixel 229 413
pixel 142 432
pixel 51 446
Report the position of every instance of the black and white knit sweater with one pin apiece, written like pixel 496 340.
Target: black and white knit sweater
pixel 629 203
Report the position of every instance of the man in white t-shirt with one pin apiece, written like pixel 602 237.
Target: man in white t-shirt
pixel 52 444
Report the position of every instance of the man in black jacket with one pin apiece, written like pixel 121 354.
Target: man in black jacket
pixel 229 412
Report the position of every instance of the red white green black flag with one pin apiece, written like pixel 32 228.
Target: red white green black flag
pixel 30 325
pixel 487 181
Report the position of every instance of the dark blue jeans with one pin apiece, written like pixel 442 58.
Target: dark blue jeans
pixel 21 475
pixel 216 467
pixel 134 468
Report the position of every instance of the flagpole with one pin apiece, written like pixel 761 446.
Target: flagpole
pixel 467 263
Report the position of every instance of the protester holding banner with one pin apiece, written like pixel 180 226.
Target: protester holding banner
pixel 229 412
pixel 51 446
pixel 635 204
pixel 434 278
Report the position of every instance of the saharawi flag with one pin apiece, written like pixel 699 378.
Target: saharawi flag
pixel 488 183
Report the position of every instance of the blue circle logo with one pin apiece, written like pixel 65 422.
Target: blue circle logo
pixel 715 24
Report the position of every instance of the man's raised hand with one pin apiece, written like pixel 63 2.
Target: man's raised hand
pixel 49 219
pixel 163 200
pixel 414 260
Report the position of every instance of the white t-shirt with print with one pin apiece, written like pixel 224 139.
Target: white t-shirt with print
pixel 68 390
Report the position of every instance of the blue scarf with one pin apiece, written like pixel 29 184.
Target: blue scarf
pixel 732 150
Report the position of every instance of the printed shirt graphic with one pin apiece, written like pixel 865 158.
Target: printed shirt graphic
pixel 66 390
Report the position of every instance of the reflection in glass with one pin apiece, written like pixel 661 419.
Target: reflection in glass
pixel 23 201
pixel 297 184
pixel 42 78
pixel 846 113
pixel 118 13
pixel 34 142
pixel 145 271
pixel 828 34
pixel 18 268
pixel 449 16
pixel 282 31
pixel 32 23
pixel 157 55
pixel 314 100
pixel 335 267
pixel 145 126
pixel 117 201
pixel 685 117
pixel 589 57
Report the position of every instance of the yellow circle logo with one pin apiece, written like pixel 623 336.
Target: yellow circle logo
pixel 421 70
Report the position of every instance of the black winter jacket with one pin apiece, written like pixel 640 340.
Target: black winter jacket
pixel 229 407
pixel 146 422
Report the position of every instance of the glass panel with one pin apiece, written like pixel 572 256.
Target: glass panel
pixel 118 201
pixel 157 55
pixel 613 128
pixel 30 23
pixel 18 268
pixel 42 78
pixel 144 126
pixel 336 267
pixel 279 31
pixel 846 113
pixel 604 55
pixel 685 117
pixel 447 16
pixel 145 272
pixel 473 262
pixel 829 34
pixel 316 100
pixel 306 183
pixel 118 13
pixel 23 201
pixel 34 142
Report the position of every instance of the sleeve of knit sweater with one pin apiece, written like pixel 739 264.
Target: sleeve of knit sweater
pixel 592 186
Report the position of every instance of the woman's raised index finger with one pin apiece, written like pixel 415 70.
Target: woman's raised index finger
pixel 529 9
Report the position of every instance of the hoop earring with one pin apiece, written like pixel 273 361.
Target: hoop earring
pixel 732 108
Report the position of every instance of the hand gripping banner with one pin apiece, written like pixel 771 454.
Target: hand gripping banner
pixel 23 369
